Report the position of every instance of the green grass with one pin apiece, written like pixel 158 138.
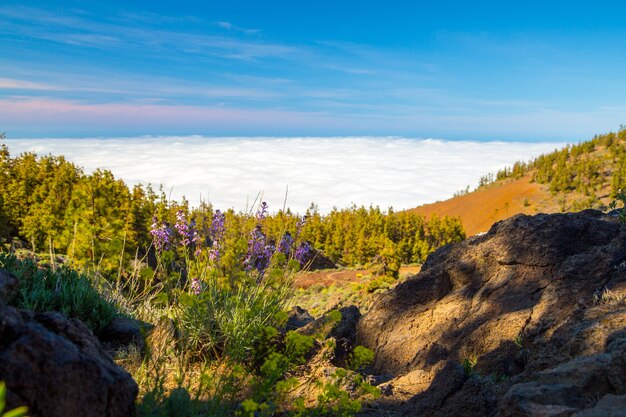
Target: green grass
pixel 63 289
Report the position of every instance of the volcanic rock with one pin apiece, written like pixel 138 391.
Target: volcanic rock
pixel 57 367
pixel 8 286
pixel 518 309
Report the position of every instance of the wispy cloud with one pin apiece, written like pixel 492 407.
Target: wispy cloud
pixel 146 116
pixel 50 116
pixel 194 74
pixel 13 84
pixel 230 26
pixel 78 29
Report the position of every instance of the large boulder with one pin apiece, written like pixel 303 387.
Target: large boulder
pixel 513 307
pixel 8 286
pixel 56 367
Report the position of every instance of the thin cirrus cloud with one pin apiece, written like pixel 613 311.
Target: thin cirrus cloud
pixel 47 116
pixel 15 84
pixel 78 30
pixel 55 114
pixel 106 71
pixel 330 172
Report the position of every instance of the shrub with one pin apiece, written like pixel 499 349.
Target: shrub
pixel 621 197
pixel 63 290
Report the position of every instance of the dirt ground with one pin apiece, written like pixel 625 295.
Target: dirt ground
pixel 479 210
pixel 339 277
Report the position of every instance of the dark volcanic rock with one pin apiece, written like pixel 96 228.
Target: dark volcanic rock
pixel 315 260
pixel 8 286
pixel 124 332
pixel 56 367
pixel 570 387
pixel 297 318
pixel 517 306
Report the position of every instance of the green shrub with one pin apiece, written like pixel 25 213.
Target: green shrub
pixel 620 197
pixel 63 290
pixel 383 282
pixel 361 358
pixel 229 321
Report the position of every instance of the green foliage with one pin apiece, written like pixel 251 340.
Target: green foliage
pixel 229 321
pixel 621 197
pixel 297 346
pixel 359 235
pixel 380 284
pixel 225 314
pixel 360 358
pixel 64 290
pixel 335 400
pixel 468 365
pixel 584 168
pixel 17 412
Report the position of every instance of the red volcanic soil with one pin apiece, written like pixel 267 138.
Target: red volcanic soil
pixel 480 209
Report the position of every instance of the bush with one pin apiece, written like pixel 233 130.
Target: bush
pixel 229 321
pixel 63 290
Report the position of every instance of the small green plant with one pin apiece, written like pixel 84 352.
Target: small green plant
pixel 621 196
pixel 518 341
pixel 335 400
pixel 360 358
pixel 16 412
pixel 380 283
pixel 469 363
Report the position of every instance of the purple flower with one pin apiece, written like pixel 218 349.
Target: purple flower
pixel 259 251
pixel 182 227
pixel 262 211
pixel 302 251
pixel 217 225
pixel 217 234
pixel 286 244
pixel 214 254
pixel 161 235
pixel 196 286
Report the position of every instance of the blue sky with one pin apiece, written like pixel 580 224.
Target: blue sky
pixel 455 70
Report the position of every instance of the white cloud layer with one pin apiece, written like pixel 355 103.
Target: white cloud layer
pixel 398 172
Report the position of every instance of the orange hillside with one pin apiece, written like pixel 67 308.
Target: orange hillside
pixel 480 209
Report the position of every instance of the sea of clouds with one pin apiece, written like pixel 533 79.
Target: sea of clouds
pixel 330 172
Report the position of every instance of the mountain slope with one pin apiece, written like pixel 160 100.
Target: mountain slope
pixel 587 175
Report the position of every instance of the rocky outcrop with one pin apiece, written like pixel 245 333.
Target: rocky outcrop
pixel 8 286
pixel 315 260
pixel 521 310
pixel 56 367
pixel 124 333
pixel 297 318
